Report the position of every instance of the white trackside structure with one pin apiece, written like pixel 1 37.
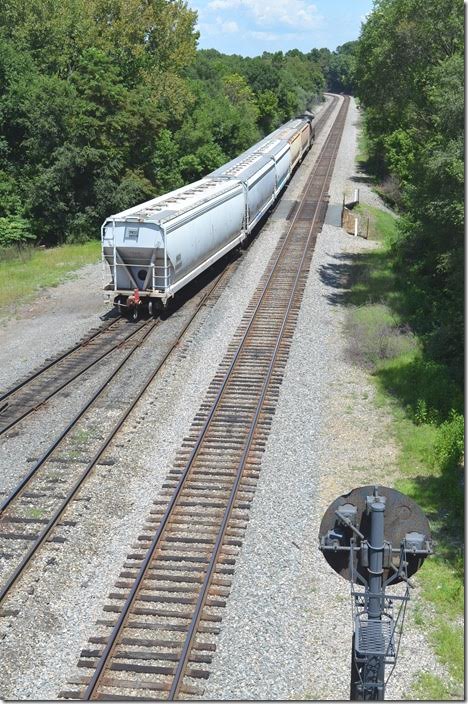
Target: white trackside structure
pixel 154 249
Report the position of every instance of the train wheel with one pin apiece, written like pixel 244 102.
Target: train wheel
pixel 151 310
pixel 135 313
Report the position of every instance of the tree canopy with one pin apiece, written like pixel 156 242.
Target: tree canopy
pixel 105 103
pixel 410 79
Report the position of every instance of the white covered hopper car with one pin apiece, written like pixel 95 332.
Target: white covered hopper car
pixel 156 248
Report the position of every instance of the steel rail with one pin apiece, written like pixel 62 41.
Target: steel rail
pixel 325 114
pixel 58 513
pixel 321 118
pixel 124 613
pixel 97 456
pixel 56 360
pixel 68 381
pixel 21 485
pixel 318 125
pixel 182 664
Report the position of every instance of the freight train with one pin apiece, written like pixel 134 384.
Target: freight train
pixel 156 248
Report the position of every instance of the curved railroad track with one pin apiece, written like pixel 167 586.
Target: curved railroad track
pixel 324 114
pixel 163 617
pixel 35 507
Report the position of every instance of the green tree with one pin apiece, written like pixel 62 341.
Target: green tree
pixel 411 83
pixel 107 102
pixel 268 111
pixel 341 68
pixel 14 231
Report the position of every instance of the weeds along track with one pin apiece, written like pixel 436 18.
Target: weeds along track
pixel 162 619
pixel 36 507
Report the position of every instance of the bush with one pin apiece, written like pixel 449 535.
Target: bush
pixel 448 457
pixel 14 232
pixel 449 446
pixel 423 387
pixel 374 336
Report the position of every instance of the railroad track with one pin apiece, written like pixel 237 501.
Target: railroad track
pixel 325 114
pixel 163 617
pixel 57 373
pixel 34 510
pixel 31 513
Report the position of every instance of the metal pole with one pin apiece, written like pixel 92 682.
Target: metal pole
pixel 165 260
pixel 376 665
pixel 114 253
pixel 371 568
pixel 376 547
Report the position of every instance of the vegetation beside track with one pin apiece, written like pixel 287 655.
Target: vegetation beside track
pixel 107 104
pixel 410 81
pixel 427 408
pixel 24 272
pixel 409 291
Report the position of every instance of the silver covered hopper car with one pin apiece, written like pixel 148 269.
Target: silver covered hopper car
pixel 260 177
pixel 156 248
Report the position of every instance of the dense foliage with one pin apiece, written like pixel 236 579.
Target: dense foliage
pixel 410 81
pixel 339 67
pixel 104 104
pixel 87 87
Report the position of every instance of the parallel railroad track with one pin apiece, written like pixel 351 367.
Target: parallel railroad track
pixel 325 114
pixel 57 373
pixel 35 508
pixel 164 615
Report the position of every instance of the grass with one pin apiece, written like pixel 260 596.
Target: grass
pixel 427 410
pixel 375 334
pixel 449 647
pixel 382 225
pixel 23 274
pixel 363 148
pixel 81 436
pixel 429 686
pixel 386 186
pixel 35 513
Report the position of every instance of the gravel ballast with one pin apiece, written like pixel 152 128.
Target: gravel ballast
pixel 287 628
pixel 286 631
pixel 74 582
pixel 57 319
